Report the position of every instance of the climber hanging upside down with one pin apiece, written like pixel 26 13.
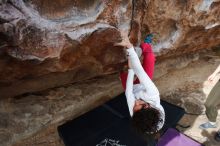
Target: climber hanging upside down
pixel 142 98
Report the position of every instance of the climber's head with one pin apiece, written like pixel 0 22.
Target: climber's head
pixel 146 118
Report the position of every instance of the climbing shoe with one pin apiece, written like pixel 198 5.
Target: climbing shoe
pixel 207 125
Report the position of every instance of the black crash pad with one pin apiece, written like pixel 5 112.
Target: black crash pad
pixel 109 123
pixel 173 113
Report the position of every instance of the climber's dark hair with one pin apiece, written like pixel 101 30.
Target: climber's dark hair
pixel 146 120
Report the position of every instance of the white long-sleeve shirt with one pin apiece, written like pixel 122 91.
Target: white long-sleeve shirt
pixel 146 90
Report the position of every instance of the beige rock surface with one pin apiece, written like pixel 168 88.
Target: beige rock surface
pixel 40 39
pixel 26 115
pixel 186 87
pixel 46 46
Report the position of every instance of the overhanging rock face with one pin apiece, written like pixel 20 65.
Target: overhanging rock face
pixel 46 44
pixel 183 26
